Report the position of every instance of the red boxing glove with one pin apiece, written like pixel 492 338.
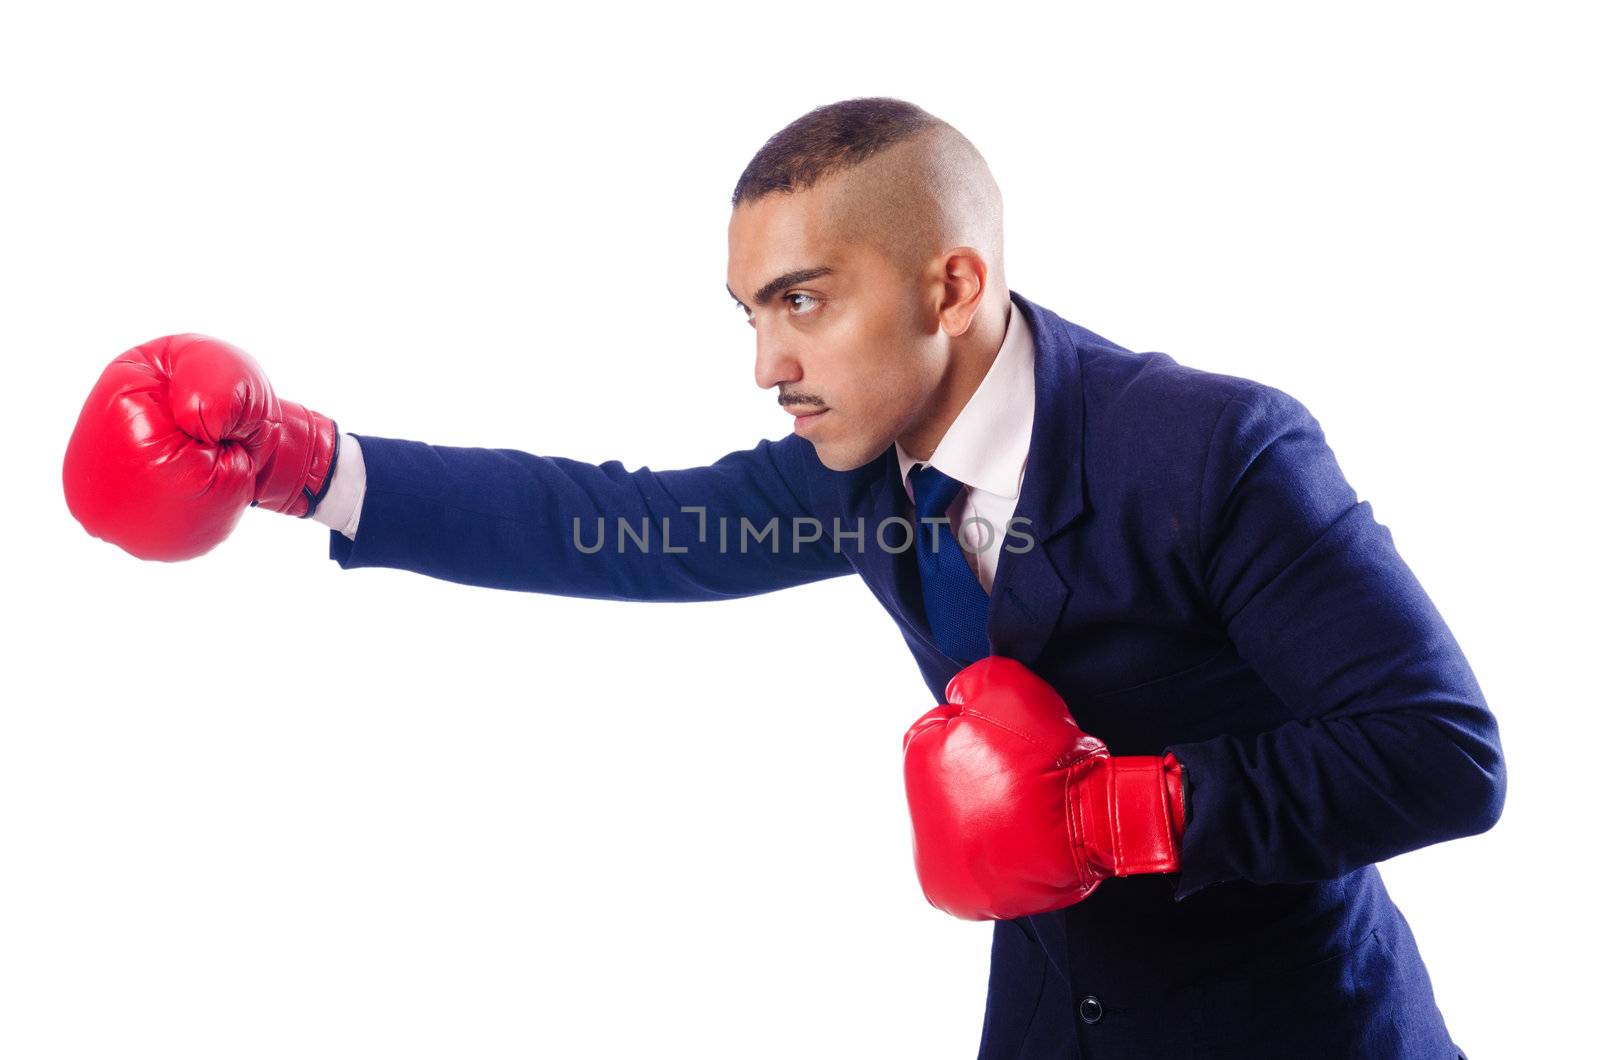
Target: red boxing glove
pixel 178 437
pixel 1015 810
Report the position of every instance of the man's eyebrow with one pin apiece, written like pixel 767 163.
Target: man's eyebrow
pixel 788 279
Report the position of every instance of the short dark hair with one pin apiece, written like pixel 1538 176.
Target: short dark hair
pixel 826 140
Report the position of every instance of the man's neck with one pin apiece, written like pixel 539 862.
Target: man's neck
pixel 971 355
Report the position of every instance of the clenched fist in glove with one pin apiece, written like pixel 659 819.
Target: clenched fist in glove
pixel 1015 810
pixel 179 437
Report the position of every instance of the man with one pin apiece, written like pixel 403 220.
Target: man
pixel 1174 552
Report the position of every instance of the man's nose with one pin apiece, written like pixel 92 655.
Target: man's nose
pixel 775 362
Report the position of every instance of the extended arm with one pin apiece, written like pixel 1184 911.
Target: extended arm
pixel 506 519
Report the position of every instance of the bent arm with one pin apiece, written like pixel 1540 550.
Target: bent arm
pixel 505 519
pixel 1393 746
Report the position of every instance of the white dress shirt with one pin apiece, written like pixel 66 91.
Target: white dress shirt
pixel 986 448
pixel 341 505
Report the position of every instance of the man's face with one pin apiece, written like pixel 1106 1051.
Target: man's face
pixel 859 340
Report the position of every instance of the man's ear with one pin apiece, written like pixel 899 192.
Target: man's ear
pixel 963 283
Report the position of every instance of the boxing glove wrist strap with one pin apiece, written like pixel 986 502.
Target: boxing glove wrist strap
pixel 296 478
pixel 1128 813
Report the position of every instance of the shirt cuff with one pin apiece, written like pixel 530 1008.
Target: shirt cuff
pixel 340 508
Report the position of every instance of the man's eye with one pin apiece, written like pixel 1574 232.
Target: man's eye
pixel 797 294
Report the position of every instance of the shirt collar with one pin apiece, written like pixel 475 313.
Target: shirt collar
pixel 987 445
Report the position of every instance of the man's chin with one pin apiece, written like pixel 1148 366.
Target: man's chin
pixel 836 458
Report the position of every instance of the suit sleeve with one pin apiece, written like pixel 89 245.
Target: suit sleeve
pixel 1392 746
pixel 505 519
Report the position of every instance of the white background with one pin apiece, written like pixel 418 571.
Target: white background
pixel 256 806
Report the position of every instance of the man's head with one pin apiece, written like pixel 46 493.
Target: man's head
pixel 901 215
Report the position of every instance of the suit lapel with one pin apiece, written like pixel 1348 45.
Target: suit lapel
pixel 893 575
pixel 1030 587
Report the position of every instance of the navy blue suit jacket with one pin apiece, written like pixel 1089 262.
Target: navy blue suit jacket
pixel 1194 575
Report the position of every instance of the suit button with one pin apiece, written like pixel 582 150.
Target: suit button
pixel 1090 1009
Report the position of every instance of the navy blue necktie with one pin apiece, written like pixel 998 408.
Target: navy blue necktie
pixel 953 598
